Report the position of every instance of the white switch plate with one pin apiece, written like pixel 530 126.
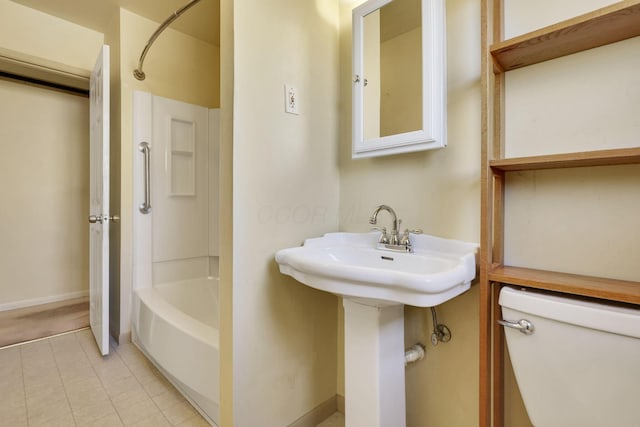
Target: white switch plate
pixel 291 99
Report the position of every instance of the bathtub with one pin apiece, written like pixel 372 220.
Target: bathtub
pixel 176 326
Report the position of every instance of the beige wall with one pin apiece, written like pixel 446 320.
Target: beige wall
pixel 438 191
pixel 44 170
pixel 401 103
pixel 521 16
pixel 46 39
pixel 179 67
pixel 285 189
pixel 372 76
pixel 226 212
pixel 52 234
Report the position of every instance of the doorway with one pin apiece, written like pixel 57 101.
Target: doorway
pixel 44 240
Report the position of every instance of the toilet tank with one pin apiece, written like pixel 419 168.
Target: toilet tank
pixel 581 365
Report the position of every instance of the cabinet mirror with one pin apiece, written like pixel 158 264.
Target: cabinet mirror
pixel 399 88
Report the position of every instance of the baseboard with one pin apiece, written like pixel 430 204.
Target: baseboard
pixel 317 414
pixel 43 300
pixel 340 401
pixel 44 338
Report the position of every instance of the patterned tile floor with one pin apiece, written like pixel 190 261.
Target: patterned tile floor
pixel 63 381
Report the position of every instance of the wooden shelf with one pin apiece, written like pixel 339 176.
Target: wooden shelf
pixel 610 24
pixel 621 156
pixel 588 286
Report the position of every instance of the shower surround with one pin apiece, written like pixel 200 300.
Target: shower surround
pixel 175 288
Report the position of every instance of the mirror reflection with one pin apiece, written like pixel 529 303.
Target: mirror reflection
pixel 392 51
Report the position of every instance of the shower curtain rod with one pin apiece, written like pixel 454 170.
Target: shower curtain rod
pixel 138 73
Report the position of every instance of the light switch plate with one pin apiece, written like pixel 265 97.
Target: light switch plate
pixel 291 99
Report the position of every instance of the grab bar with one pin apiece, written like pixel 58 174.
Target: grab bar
pixel 145 207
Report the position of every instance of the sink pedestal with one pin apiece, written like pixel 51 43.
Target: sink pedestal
pixel 374 365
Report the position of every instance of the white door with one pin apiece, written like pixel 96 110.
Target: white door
pixel 99 202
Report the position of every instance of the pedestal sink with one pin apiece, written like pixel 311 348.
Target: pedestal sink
pixel 375 285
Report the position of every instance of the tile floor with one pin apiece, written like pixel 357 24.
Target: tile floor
pixel 335 420
pixel 43 320
pixel 63 381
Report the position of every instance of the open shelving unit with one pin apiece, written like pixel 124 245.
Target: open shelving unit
pixel 611 24
pixel 604 26
pixel 587 286
pixel 621 156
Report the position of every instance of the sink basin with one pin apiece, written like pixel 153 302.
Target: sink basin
pixel 350 265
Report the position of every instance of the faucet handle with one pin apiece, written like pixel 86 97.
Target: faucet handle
pixel 405 236
pixel 383 234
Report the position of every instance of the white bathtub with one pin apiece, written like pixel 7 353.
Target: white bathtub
pixel 176 326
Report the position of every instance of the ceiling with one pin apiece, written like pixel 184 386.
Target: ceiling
pixel 202 21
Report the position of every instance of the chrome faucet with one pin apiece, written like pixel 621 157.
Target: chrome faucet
pixel 373 220
pixel 392 242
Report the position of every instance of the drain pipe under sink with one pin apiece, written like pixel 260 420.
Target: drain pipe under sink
pixel 414 353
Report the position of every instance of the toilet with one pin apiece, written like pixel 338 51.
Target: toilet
pixel 578 365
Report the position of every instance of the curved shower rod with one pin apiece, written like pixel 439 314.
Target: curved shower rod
pixel 138 73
